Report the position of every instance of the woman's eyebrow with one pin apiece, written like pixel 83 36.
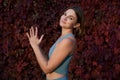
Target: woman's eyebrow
pixel 69 15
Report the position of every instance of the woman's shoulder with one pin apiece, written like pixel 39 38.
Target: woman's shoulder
pixel 70 41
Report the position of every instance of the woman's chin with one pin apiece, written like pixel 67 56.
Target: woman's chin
pixel 61 24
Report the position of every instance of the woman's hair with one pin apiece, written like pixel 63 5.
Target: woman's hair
pixel 80 19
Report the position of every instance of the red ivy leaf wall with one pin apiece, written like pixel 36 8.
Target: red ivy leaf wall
pixel 98 53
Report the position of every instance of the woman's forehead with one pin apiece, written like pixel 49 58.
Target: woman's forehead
pixel 71 12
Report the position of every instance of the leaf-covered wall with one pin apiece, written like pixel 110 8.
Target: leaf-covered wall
pixel 98 53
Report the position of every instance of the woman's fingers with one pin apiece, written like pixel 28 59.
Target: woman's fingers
pixel 28 35
pixel 36 31
pixel 33 31
pixel 41 38
pixel 31 34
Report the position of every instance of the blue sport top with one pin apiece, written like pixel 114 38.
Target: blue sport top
pixel 63 67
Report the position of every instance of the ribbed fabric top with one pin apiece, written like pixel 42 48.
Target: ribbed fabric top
pixel 63 67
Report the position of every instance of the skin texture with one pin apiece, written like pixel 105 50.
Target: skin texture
pixel 67 22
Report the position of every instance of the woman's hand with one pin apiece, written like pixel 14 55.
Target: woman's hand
pixel 33 37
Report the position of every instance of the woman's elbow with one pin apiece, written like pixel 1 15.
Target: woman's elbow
pixel 47 70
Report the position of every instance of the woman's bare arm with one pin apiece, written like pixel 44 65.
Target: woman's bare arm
pixel 61 51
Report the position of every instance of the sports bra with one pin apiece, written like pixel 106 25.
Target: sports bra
pixel 63 67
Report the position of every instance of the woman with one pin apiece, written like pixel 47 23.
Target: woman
pixel 56 67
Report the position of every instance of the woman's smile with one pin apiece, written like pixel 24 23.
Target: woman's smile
pixel 63 21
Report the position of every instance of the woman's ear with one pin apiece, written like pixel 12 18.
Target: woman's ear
pixel 77 25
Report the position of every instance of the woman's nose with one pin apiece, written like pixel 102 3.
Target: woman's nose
pixel 65 18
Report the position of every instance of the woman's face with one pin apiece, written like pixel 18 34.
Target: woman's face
pixel 68 19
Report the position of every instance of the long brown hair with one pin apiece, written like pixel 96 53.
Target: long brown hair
pixel 80 31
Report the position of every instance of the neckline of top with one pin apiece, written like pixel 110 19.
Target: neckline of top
pixel 69 34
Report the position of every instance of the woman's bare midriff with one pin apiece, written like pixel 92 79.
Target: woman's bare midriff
pixel 54 75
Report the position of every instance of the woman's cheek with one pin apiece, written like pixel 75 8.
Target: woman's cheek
pixel 72 24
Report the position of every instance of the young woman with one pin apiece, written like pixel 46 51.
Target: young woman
pixel 56 67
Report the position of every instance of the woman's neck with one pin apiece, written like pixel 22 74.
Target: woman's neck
pixel 66 31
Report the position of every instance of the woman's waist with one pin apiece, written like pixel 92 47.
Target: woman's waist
pixel 54 75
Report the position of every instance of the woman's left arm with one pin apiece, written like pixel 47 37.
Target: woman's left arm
pixel 42 60
pixel 35 42
pixel 61 51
